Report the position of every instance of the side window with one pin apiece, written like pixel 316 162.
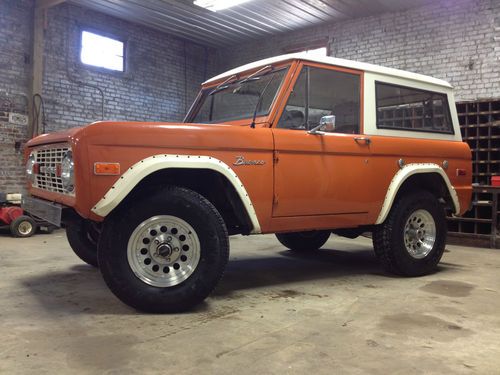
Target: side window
pixel 404 108
pixel 323 92
pixel 294 115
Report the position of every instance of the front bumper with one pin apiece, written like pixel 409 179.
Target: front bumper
pixel 45 210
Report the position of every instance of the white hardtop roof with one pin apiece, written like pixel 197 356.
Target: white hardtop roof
pixel 337 62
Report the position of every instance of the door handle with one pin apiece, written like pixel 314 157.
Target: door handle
pixel 360 140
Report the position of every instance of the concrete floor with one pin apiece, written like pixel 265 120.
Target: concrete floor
pixel 274 312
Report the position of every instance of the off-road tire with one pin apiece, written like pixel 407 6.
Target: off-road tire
pixel 304 241
pixel 23 227
pixel 83 240
pixel 388 238
pixel 119 229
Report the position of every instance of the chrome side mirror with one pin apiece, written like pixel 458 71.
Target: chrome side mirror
pixel 326 123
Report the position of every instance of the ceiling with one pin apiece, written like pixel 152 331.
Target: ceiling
pixel 252 20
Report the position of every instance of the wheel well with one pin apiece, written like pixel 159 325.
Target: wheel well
pixel 211 184
pixel 431 182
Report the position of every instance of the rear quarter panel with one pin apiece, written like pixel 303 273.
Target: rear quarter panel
pixel 388 146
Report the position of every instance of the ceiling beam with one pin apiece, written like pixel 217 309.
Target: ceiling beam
pixel 46 4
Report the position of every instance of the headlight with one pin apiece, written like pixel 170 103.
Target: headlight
pixel 67 172
pixel 30 166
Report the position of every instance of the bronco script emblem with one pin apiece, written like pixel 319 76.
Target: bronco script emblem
pixel 240 160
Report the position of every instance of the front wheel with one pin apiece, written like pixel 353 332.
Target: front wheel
pixel 303 241
pixel 412 239
pixel 83 240
pixel 166 252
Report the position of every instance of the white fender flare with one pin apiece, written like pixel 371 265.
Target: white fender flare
pixel 145 167
pixel 410 170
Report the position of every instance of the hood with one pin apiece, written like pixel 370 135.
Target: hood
pixel 57 137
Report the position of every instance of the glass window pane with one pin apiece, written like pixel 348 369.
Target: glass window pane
pixel 239 100
pixel 293 117
pixel 405 108
pixel 334 93
pixel 331 93
pixel 100 51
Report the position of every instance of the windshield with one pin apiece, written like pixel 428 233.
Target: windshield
pixel 239 99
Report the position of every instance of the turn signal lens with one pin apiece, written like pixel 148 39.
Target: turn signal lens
pixel 107 169
pixel 461 172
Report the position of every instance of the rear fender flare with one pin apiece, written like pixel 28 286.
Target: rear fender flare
pixel 403 174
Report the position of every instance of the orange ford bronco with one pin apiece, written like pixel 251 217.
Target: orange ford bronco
pixel 294 145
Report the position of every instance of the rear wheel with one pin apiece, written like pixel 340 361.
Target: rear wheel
pixel 304 241
pixel 23 226
pixel 164 253
pixel 83 240
pixel 412 239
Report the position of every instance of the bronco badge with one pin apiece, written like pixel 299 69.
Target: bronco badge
pixel 240 160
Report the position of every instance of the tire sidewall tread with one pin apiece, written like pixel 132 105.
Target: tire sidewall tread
pixel 388 238
pixel 14 226
pixel 81 245
pixel 303 241
pixel 214 251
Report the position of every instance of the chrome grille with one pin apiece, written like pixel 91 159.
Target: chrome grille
pixel 49 161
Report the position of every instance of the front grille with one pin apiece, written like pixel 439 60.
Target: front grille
pixel 49 161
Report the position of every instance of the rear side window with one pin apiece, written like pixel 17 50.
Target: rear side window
pixel 404 108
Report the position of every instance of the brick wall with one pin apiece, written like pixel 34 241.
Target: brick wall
pixel 163 76
pixel 15 44
pixel 455 40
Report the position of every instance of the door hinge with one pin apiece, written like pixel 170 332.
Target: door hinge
pixel 276 157
pixel 275 199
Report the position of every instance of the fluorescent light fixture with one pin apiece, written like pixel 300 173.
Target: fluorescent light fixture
pixel 215 5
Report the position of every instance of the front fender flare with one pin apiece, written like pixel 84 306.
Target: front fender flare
pixel 403 174
pixel 145 167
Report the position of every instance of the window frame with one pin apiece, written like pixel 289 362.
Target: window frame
pixel 308 64
pixel 448 111
pixel 108 35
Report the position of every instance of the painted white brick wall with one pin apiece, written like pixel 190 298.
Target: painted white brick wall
pixel 455 40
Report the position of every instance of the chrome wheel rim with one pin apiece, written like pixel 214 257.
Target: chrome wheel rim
pixel 163 251
pixel 25 228
pixel 420 234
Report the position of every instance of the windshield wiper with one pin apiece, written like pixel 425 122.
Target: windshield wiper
pixel 253 77
pixel 222 86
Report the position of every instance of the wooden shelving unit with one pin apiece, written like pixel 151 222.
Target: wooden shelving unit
pixel 482 220
pixel 480 127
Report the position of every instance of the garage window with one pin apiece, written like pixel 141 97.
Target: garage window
pixel 102 52
pixel 405 108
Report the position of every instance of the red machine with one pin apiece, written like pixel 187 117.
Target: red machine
pixel 20 223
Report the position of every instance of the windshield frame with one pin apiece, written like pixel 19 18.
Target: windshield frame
pixel 203 94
